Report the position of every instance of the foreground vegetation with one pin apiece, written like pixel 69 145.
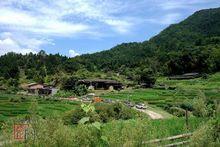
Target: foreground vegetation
pixel 52 131
pixel 54 122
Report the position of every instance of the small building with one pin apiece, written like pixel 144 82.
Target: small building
pixel 102 84
pixel 185 76
pixel 33 88
pixel 41 89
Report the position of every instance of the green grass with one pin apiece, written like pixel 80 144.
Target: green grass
pixel 165 114
pixel 185 89
pixel 212 82
pixel 45 107
pixel 151 129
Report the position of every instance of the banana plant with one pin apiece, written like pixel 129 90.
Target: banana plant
pixel 97 125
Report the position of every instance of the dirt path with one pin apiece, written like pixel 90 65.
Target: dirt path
pixel 152 114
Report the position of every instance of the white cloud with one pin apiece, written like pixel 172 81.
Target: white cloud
pixel 20 21
pixel 73 53
pixel 170 18
pixel 9 45
pixel 26 21
pixel 166 19
pixel 119 25
pixel 13 42
pixel 182 4
pixel 49 18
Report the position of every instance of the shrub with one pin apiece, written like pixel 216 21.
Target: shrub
pixel 200 108
pixel 207 135
pixel 103 113
pixel 72 84
pixel 23 99
pixel 106 112
pixel 65 94
pixel 179 112
pixel 15 100
pixel 94 117
pixel 77 115
pixel 187 105
pixel 205 76
pixel 80 90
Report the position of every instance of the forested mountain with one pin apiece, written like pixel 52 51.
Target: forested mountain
pixel 202 24
pixel 192 45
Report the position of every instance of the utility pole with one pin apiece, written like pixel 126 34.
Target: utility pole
pixel 187 119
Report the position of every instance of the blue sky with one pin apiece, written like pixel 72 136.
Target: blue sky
pixel 74 27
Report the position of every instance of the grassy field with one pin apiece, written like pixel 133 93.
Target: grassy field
pixel 156 128
pixel 185 90
pixel 9 108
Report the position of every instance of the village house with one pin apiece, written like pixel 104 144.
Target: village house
pixel 41 89
pixel 185 76
pixel 101 84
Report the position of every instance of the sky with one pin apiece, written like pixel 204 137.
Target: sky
pixel 75 27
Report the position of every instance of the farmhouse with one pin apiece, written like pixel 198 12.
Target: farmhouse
pixel 41 89
pixel 102 84
pixel 185 76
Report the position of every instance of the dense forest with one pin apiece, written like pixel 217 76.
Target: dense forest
pixel 192 45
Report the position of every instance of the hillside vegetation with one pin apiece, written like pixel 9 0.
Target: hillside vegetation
pixel 192 45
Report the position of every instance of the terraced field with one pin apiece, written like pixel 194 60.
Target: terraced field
pixel 11 108
pixel 185 90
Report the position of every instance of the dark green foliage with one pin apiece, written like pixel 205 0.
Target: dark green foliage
pixel 81 90
pixel 35 66
pixel 71 84
pixel 177 111
pixel 103 112
pixel 13 82
pixel 146 77
pixel 9 66
pixel 17 99
pixel 187 105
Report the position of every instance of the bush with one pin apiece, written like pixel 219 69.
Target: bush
pixel 80 90
pixel 72 84
pixel 205 76
pixel 207 135
pixel 200 108
pixel 103 113
pixel 106 112
pixel 179 112
pixel 77 115
pixel 65 94
pixel 187 105
pixel 15 100
pixel 13 82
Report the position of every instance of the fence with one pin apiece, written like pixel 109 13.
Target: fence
pixel 183 137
